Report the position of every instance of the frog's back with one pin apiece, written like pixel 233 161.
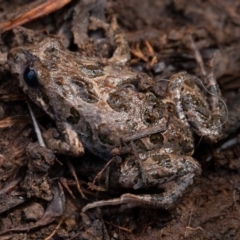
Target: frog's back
pixel 101 100
pixel 107 107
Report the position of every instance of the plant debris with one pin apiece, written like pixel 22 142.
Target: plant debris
pixel 41 194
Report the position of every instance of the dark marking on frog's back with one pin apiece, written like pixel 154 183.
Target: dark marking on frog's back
pixel 157 138
pixel 92 71
pixel 119 101
pixel 85 90
pixel 154 110
pixel 75 116
pixel 188 99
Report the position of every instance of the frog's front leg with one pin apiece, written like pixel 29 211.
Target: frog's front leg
pixel 192 106
pixel 69 145
pixel 159 169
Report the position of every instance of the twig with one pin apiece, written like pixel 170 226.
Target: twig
pixel 72 169
pixel 35 12
pixel 55 230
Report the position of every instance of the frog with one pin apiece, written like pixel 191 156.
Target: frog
pixel 108 108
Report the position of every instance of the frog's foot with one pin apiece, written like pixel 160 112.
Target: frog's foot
pixel 71 145
pixel 181 171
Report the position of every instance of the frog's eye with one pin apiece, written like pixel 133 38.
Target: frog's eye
pixel 30 78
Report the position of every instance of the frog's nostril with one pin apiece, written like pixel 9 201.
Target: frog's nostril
pixel 30 77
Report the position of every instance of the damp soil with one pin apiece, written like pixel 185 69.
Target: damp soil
pixel 39 197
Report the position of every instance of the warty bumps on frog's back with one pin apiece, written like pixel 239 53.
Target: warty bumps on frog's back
pixel 99 100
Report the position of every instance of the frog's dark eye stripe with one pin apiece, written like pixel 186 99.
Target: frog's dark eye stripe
pixel 30 78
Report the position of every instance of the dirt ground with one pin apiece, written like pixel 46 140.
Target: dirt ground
pixel 42 201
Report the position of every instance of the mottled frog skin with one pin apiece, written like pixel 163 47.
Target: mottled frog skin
pixel 100 105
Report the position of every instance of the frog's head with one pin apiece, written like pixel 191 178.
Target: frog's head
pixel 34 67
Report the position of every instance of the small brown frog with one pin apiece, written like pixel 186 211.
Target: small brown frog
pixel 99 104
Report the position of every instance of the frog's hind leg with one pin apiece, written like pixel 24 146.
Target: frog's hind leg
pixel 193 107
pixel 160 169
pixel 207 115
pixel 167 200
